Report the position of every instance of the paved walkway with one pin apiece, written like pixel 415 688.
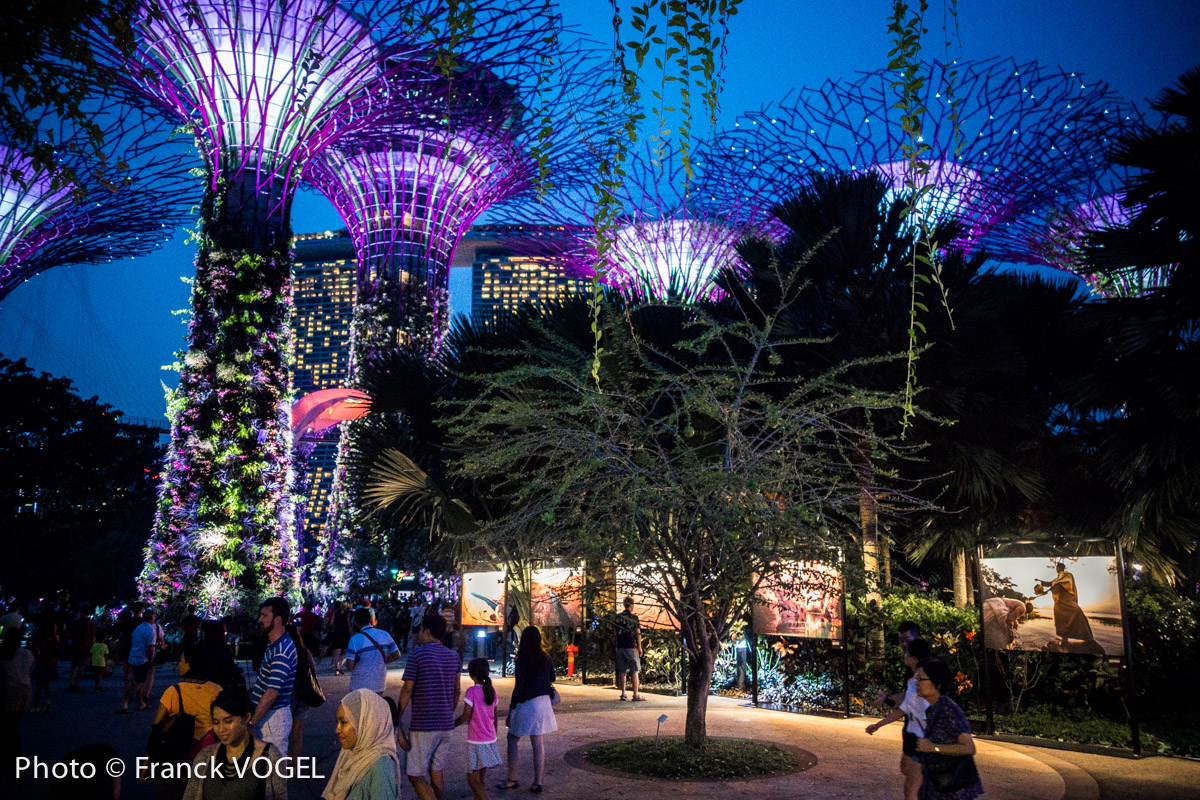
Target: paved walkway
pixel 850 764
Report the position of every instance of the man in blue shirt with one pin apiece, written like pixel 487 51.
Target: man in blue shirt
pixel 272 692
pixel 368 654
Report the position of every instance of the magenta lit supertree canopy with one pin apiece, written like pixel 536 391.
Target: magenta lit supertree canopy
pixel 265 86
pixel 1005 143
pixel 674 236
pixel 119 199
pixel 462 139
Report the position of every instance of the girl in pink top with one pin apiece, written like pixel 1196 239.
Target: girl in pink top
pixel 479 714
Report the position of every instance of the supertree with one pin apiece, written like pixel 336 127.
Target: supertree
pixel 675 233
pixel 265 86
pixel 509 119
pixel 1004 143
pixel 117 192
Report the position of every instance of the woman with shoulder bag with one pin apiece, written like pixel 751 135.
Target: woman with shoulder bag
pixel 188 703
pixel 947 751
pixel 530 711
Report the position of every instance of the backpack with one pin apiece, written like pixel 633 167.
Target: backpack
pixel 172 739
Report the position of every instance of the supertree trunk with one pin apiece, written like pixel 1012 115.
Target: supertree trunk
pixel 398 307
pixel 223 533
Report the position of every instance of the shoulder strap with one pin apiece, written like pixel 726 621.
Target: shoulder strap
pixel 179 692
pixel 382 654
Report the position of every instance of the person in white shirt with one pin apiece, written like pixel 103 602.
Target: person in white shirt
pixel 368 654
pixel 912 708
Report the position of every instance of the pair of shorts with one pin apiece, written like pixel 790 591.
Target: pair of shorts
pixel 908 743
pixel 141 671
pixel 628 660
pixel 427 752
pixel 482 755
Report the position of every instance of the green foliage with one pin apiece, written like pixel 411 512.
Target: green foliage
pixel 672 758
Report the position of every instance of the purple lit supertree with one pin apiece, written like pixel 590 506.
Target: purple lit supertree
pixel 1005 143
pixel 519 97
pixel 120 197
pixel 265 86
pixel 674 235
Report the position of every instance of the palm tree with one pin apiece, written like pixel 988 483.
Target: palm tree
pixel 1141 392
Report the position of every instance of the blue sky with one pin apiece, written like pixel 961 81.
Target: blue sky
pixel 110 327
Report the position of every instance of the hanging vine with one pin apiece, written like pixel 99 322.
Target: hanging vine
pixel 907 27
pixel 692 36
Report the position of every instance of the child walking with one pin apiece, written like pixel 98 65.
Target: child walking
pixel 99 654
pixel 479 714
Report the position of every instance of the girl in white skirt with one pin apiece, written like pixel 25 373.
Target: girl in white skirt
pixel 479 715
pixel 530 712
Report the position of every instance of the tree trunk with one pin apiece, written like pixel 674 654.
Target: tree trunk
pixel 961 597
pixel 868 510
pixel 699 680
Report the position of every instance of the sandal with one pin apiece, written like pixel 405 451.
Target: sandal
pixel 536 788
pixel 507 785
pixel 639 699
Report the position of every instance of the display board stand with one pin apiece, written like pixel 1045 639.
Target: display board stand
pixel 845 658
pixel 507 631
pixel 1131 707
pixel 985 672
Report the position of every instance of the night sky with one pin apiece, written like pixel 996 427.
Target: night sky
pixel 110 327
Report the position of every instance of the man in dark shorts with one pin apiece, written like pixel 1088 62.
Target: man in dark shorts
pixel 431 685
pixel 629 649
pixel 142 644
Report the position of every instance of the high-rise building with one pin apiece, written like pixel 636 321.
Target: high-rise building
pixel 323 284
pixel 508 270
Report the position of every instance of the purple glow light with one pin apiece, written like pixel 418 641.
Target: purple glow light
pixel 262 75
pixel 1008 142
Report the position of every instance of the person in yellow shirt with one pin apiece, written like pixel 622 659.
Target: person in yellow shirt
pixel 194 694
pixel 99 658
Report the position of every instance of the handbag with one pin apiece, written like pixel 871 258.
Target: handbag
pixel 555 697
pixel 173 738
pixel 307 688
pixel 950 773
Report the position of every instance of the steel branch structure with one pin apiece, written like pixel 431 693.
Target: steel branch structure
pixel 673 237
pixel 460 143
pixel 464 139
pixel 121 199
pixel 1005 144
pixel 266 85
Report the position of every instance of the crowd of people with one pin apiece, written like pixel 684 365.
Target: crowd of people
pixel 220 713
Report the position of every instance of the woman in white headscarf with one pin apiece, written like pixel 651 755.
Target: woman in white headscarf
pixel 368 767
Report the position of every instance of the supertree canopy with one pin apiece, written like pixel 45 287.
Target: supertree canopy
pixel 116 197
pixel 469 137
pixel 1004 143
pixel 674 235
pixel 265 85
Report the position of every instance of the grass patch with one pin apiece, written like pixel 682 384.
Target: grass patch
pixel 673 758
pixel 1175 735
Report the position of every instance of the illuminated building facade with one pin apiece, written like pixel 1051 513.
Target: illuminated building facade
pixel 504 278
pixel 324 276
